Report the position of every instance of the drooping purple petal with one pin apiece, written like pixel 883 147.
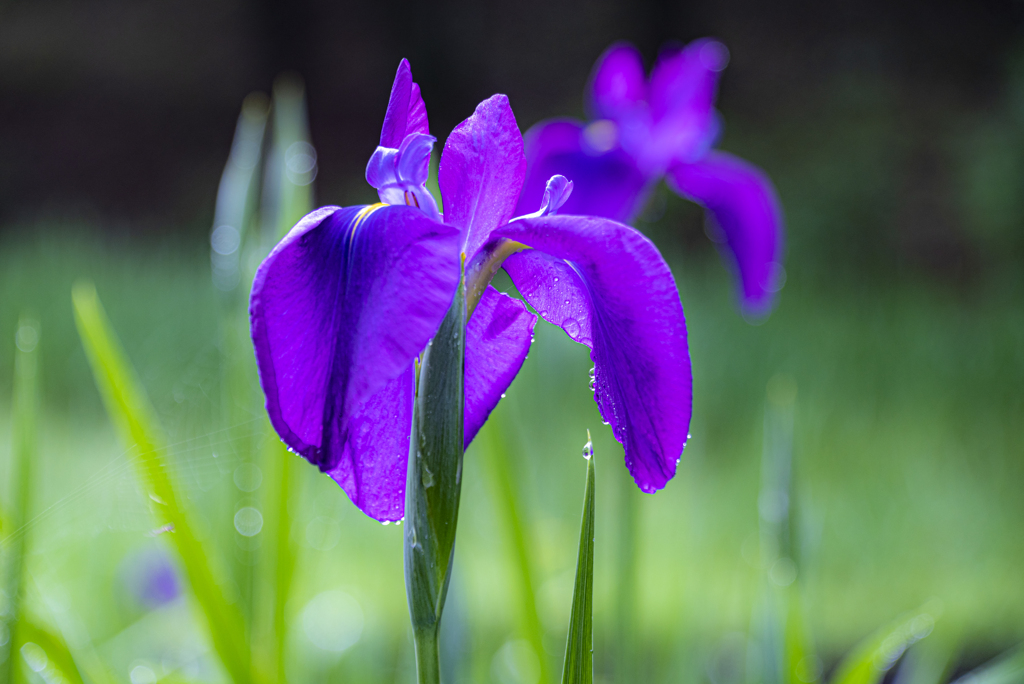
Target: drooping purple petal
pixel 605 183
pixel 618 83
pixel 406 112
pixel 607 286
pixel 498 338
pixel 372 467
pixel 481 172
pixel 339 309
pixel 744 205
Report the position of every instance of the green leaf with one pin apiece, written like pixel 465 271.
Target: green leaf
pixel 504 486
pixel 237 201
pixel 23 457
pixel 135 420
pixel 291 167
pixel 872 658
pixel 579 646
pixel 1007 669
pixel 434 484
pixel 45 652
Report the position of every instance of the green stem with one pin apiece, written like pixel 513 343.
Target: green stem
pixel 434 484
pixel 428 666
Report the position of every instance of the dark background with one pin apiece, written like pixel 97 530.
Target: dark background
pixel 120 114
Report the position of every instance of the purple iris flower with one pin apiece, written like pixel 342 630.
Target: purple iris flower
pixel 342 307
pixel 665 126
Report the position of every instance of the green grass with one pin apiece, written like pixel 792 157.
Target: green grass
pixel 909 459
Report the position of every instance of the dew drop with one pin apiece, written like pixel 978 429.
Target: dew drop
pixel 386 523
pixel 502 395
pixel 588 448
pixel 427 477
pixel 571 326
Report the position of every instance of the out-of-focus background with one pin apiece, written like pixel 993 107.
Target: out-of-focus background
pixel 895 135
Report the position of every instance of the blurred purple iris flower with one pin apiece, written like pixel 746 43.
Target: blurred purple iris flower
pixel 341 308
pixel 664 126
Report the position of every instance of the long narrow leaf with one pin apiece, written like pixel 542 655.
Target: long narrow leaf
pixel 45 652
pixel 134 418
pixel 504 491
pixel 872 658
pixel 23 456
pixel 579 646
pixel 1007 669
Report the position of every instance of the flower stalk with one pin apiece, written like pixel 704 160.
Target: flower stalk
pixel 434 484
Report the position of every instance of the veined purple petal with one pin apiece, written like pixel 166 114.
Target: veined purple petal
pixel 406 112
pixel 744 205
pixel 605 183
pixel 607 286
pixel 498 338
pixel 339 310
pixel 372 467
pixel 618 83
pixel 481 172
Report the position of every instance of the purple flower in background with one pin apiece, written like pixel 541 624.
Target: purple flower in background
pixel 341 308
pixel 665 126
pixel 151 577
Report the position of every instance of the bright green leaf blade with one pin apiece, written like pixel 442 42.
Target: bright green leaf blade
pixel 1007 669
pixel 134 418
pixel 579 647
pixel 45 652
pixel 23 456
pixel 503 489
pixel 872 658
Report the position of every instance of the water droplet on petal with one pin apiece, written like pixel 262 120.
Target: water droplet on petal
pixel 502 395
pixel 571 326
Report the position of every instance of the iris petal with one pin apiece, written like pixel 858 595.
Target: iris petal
pixel 374 456
pixel 606 184
pixel 498 339
pixel 607 286
pixel 406 112
pixel 481 172
pixel 744 205
pixel 339 310
pixel 618 83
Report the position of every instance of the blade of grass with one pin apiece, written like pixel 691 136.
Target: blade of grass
pixel 872 658
pixel 1007 669
pixel 504 488
pixel 236 199
pixel 579 646
pixel 46 653
pixel 23 457
pixel 134 418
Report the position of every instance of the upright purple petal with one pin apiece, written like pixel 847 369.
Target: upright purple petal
pixel 618 83
pixel 498 339
pixel 605 183
pixel 682 98
pixel 339 310
pixel 607 286
pixel 481 172
pixel 406 112
pixel 744 205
